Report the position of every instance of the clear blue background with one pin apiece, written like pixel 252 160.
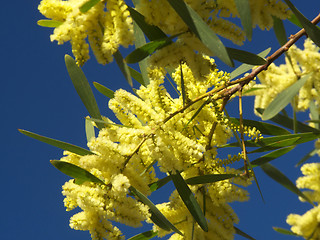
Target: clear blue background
pixel 37 95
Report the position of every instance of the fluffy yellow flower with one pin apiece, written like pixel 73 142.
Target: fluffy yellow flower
pixel 107 26
pixel 307 225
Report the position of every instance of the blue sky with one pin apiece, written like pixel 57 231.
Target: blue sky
pixel 37 95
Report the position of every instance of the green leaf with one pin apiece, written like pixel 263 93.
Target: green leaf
pixel 123 67
pixel 264 128
pixel 160 183
pixel 89 129
pixel 279 31
pixel 189 200
pixel 49 23
pixel 201 30
pixel 78 173
pixel 253 89
pixel 307 156
pixel 143 64
pixel 269 157
pixel 276 145
pixel 137 76
pixel 210 178
pixel 279 177
pixel 246 67
pixel 151 31
pixel 144 236
pixel 287 122
pixel 314 113
pixel 59 144
pixel 104 90
pixel 283 99
pixel 183 90
pixel 197 112
pixel 243 7
pixel 243 234
pixel 303 137
pixel 157 217
pixel 83 88
pixel 88 5
pixel 284 231
pixel 312 31
pixel 147 49
pixel 246 57
pixel 106 123
pixel 295 20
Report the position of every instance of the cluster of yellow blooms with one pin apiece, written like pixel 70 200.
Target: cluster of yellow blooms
pixel 276 79
pixel 108 24
pixel 122 155
pixel 307 225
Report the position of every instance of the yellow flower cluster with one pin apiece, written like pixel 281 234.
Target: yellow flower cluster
pixel 107 26
pixel 161 14
pixel 307 225
pixel 152 132
pixel 277 79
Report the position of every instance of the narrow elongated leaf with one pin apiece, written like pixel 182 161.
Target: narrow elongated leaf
pixel 276 145
pixel 123 67
pixel 152 32
pixel 243 7
pixel 253 89
pixel 59 144
pixel 201 30
pixel 143 64
pixel 183 90
pixel 264 128
pixel 104 90
pixel 284 231
pixel 312 31
pixel 210 178
pixel 314 113
pixel 189 200
pixel 245 57
pixel 279 31
pixel 83 88
pixel 243 234
pixel 295 20
pixel 49 23
pixel 75 172
pixel 197 112
pixel 88 5
pixel 269 157
pixel 147 49
pixel 303 137
pixel 283 99
pixel 137 76
pixel 287 122
pixel 279 177
pixel 144 236
pixel 246 67
pixel 106 123
pixel 157 216
pixel 307 156
pixel 160 183
pixel 89 129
